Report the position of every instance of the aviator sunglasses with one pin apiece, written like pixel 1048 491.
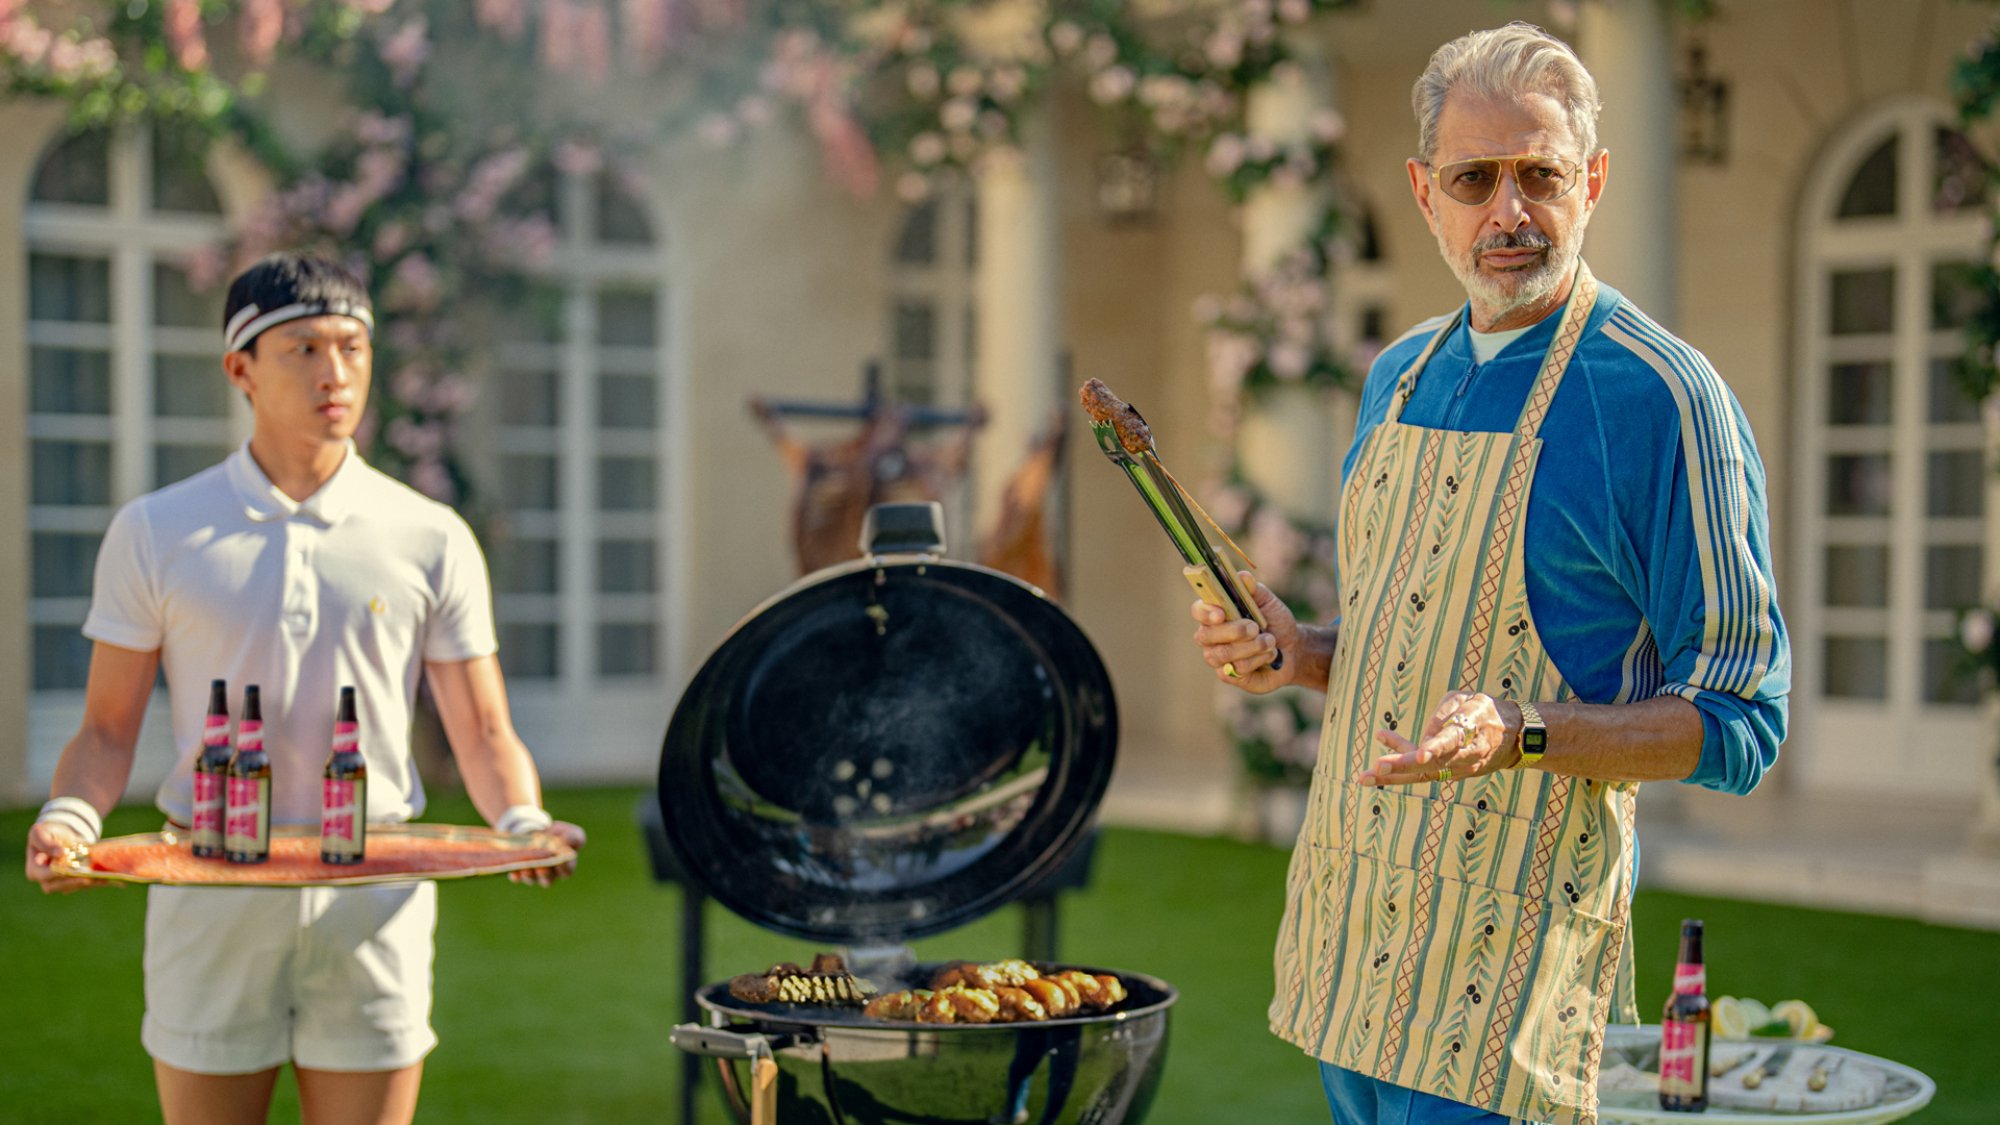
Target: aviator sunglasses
pixel 1539 177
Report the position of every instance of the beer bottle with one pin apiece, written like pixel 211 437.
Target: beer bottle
pixel 211 772
pixel 343 815
pixel 247 827
pixel 1684 1031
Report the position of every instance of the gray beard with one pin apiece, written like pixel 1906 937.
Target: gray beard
pixel 1494 297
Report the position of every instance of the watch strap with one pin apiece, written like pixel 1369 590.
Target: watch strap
pixel 1534 740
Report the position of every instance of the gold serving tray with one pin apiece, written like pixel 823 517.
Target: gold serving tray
pixel 397 853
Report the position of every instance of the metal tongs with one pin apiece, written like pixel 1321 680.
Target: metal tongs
pixel 1213 580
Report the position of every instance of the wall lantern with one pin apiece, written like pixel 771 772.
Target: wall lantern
pixel 1704 111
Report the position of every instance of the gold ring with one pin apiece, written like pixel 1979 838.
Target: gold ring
pixel 1444 773
pixel 1229 669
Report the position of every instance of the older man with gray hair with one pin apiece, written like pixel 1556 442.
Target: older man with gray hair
pixel 1555 584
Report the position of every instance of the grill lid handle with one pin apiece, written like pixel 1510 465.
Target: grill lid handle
pixel 903 529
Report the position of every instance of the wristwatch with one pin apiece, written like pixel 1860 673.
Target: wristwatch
pixel 1534 739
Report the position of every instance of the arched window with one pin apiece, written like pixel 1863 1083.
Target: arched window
pixel 577 466
pixel 932 317
pixel 125 391
pixel 1890 472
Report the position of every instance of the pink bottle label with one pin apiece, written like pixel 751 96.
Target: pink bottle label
pixel 1680 1057
pixel 249 814
pixel 208 804
pixel 1690 979
pixel 215 732
pixel 338 812
pixel 250 735
pixel 346 737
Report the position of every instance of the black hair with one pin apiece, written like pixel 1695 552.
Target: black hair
pixel 288 278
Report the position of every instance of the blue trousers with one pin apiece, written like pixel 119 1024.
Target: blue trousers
pixel 1357 1099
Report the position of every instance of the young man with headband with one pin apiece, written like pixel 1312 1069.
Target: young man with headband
pixel 295 566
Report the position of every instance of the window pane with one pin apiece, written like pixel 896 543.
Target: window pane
pixel 624 649
pixel 75 290
pixel 1872 191
pixel 529 652
pixel 526 566
pixel 620 217
pixel 62 658
pixel 1857 576
pixel 626 319
pixel 1858 485
pixel 916 245
pixel 71 472
pixel 64 564
pixel 916 382
pixel 625 566
pixel 77 170
pixel 625 484
pixel 1959 176
pixel 189 387
pixel 1951 577
pixel 66 381
pixel 1856 668
pixel 528 482
pixel 1860 394
pixel 916 330
pixel 1947 678
pixel 180 173
pixel 177 305
pixel 1955 295
pixel 528 398
pixel 625 402
pixel 536 318
pixel 1957 483
pixel 1863 301
pixel 179 462
pixel 1949 402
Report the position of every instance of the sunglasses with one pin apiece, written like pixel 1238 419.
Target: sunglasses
pixel 1540 178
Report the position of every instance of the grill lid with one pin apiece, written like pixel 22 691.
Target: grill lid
pixel 886 750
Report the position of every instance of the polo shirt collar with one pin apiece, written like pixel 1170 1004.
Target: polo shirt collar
pixel 264 501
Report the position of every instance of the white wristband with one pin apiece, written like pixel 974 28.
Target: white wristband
pixel 75 814
pixel 519 820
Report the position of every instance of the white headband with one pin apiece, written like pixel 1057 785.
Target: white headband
pixel 251 322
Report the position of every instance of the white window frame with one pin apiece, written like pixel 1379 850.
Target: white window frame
pixel 949 286
pixel 1901 745
pixel 133 237
pixel 621 713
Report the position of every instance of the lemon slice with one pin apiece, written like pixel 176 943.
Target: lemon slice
pixel 1755 1014
pixel 1726 1015
pixel 1799 1015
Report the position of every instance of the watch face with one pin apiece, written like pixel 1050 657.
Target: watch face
pixel 1533 741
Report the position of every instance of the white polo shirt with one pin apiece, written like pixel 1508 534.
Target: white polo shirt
pixel 358 585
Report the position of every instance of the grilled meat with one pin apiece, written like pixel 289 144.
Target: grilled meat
pixel 827 983
pixel 1106 408
pixel 1000 992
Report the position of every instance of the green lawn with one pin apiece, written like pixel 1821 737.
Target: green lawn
pixel 553 1005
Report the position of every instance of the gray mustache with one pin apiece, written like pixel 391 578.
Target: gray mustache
pixel 1515 240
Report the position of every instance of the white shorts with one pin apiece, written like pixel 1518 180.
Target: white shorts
pixel 240 980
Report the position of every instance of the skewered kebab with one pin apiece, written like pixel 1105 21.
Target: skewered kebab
pixel 827 982
pixel 1127 441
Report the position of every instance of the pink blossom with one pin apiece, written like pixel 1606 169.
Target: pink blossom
pixel 958 114
pixel 1274 541
pixel 1294 11
pixel 450 395
pixel 508 17
pixel 371 7
pixel 379 131
pixel 411 383
pixel 577 158
pixel 1224 47
pixel 1290 359
pixel 406 49
pixel 1231 355
pixel 649 27
pixel 1225 155
pixel 1563 15
pixel 182 20
pixel 263 24
pixel 718 130
pixel 993 123
pixel 28 41
pixel 558 44
pixel 755 111
pixel 845 150
pixel 521 243
pixel 926 148
pixel 1100 52
pixel 1328 125
pixel 913 187
pixel 415 440
pixel 1111 85
pixel 1260 148
pixel 593 43
pixel 431 478
pixel 1976 630
pixel 489 180
pixel 1007 83
pixel 923 81
pixel 415 284
pixel 204 266
pixel 1065 37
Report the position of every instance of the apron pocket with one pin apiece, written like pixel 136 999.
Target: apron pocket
pixel 1455 840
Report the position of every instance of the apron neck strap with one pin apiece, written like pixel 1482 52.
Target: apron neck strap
pixel 1555 362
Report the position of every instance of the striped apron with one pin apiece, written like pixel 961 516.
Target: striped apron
pixel 1464 939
